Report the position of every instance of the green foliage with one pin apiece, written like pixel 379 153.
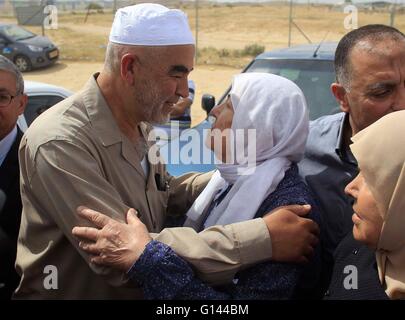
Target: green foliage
pixel 229 57
pixel 252 50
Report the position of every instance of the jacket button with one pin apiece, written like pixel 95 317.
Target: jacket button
pixel 355 251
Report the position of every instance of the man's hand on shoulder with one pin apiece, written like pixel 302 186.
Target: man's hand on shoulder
pixel 293 236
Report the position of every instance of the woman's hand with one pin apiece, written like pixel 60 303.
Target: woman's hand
pixel 113 243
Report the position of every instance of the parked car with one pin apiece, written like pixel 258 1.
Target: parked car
pixel 309 66
pixel 26 49
pixel 41 96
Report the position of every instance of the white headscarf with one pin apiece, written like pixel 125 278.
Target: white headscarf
pixel 275 107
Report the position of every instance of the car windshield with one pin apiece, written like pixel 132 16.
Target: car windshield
pixel 16 33
pixel 314 77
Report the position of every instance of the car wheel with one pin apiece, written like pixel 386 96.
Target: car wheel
pixel 23 63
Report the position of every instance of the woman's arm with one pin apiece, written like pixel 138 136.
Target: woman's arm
pixel 164 275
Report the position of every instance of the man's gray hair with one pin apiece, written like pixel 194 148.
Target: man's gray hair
pixel 115 52
pixel 113 56
pixel 8 66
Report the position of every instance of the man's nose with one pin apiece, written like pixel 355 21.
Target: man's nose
pixel 182 89
pixel 400 99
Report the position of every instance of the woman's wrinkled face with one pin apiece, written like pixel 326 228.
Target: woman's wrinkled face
pixel 219 135
pixel 367 218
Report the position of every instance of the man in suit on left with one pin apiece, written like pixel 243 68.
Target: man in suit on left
pixel 12 104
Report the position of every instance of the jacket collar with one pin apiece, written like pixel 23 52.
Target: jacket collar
pixel 341 149
pixel 100 115
pixel 105 125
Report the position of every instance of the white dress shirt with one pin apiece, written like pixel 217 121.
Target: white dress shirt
pixel 6 143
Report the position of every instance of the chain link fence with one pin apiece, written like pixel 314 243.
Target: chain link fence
pixel 226 33
pixel 8 7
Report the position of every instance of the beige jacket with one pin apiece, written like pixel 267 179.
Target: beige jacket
pixel 75 154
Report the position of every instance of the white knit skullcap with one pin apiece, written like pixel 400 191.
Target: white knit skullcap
pixel 150 24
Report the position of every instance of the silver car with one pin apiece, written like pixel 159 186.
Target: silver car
pixel 26 49
pixel 41 96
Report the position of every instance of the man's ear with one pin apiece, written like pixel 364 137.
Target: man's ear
pixel 22 104
pixel 340 94
pixel 129 65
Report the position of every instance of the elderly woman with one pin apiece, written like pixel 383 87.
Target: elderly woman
pixel 253 178
pixel 370 262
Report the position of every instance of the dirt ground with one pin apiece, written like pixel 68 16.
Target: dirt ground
pixel 73 75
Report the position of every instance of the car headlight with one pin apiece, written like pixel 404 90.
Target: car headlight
pixel 35 48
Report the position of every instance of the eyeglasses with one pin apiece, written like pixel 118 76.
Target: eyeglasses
pixel 5 99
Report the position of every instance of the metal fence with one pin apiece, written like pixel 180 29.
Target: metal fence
pixel 7 7
pixel 293 26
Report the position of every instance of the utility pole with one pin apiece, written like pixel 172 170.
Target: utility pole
pixel 392 15
pixel 43 4
pixel 290 23
pixel 196 30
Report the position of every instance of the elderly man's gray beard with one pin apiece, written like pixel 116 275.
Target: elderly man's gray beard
pixel 152 104
pixel 156 115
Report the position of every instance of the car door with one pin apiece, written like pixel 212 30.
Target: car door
pixel 37 104
pixel 5 48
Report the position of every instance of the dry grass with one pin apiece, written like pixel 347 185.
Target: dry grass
pixel 77 46
pixel 223 34
pixel 223 30
pixel 236 26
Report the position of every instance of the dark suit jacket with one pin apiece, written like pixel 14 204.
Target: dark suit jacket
pixel 10 218
pixel 353 254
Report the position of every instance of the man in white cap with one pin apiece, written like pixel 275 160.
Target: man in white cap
pixel 91 150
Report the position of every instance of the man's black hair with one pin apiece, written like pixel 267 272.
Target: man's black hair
pixel 372 33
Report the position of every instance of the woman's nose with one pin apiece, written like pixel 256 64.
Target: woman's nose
pixel 216 110
pixel 347 189
pixel 213 112
pixel 351 188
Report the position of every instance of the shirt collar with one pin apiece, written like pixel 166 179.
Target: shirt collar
pixel 341 149
pixel 6 143
pixel 101 117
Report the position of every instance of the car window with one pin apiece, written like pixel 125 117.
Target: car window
pixel 16 33
pixel 314 77
pixel 38 104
